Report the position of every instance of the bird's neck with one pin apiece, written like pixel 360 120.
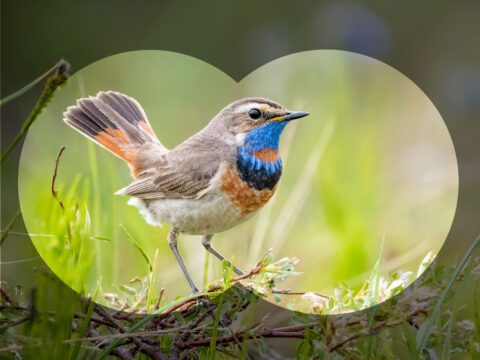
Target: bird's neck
pixel 265 136
pixel 258 161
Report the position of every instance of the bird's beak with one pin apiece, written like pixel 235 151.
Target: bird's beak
pixel 291 115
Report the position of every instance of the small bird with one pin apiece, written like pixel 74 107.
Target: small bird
pixel 213 181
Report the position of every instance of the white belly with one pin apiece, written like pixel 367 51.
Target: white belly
pixel 211 214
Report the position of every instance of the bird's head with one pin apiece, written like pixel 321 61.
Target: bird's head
pixel 257 123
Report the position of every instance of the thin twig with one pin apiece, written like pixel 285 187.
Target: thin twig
pixel 55 192
pixel 189 301
pixel 9 226
pixel 7 298
pixel 255 271
pixel 272 333
pixel 54 177
pixel 119 351
pixel 160 297
pixel 361 333
pixel 51 312
pixel 290 292
pixel 19 321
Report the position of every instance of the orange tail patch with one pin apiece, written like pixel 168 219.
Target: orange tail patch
pixel 115 121
pixel 116 141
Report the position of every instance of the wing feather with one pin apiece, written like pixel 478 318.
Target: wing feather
pixel 185 172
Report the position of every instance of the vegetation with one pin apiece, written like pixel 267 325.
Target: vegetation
pixel 220 323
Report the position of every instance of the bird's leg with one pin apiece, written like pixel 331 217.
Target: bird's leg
pixel 206 242
pixel 172 241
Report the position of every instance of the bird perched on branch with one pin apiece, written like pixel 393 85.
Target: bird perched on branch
pixel 211 182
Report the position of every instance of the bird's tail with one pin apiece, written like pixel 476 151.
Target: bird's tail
pixel 116 122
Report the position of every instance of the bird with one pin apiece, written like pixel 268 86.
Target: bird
pixel 213 181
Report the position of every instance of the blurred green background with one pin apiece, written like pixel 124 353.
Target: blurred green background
pixel 373 163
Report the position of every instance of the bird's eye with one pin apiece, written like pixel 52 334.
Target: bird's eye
pixel 254 114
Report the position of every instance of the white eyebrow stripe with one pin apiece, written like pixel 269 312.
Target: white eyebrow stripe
pixel 245 107
pixel 264 108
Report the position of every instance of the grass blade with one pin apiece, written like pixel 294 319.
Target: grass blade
pixel 83 328
pixel 427 326
pixel 27 87
pixel 137 245
pixel 52 84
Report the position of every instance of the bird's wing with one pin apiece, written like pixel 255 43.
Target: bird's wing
pixel 185 173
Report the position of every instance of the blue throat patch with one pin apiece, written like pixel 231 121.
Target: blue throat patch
pixel 261 174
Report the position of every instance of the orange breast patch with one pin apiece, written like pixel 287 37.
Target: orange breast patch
pixel 266 154
pixel 246 198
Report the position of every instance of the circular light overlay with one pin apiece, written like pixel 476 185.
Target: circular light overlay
pixel 366 198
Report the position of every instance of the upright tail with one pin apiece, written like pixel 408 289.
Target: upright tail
pixel 117 122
